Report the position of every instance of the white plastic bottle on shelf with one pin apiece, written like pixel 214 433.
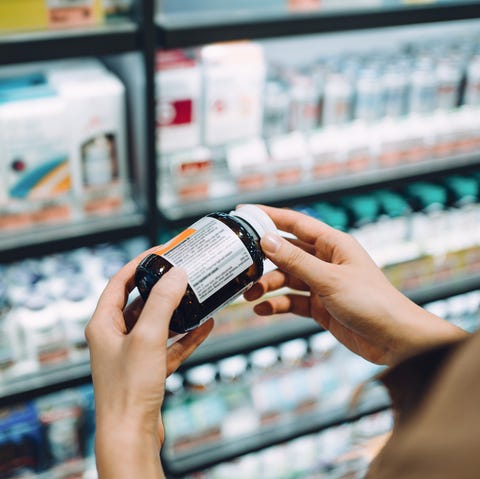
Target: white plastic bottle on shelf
pixel 43 333
pixel 9 335
pixel 324 378
pixel 276 106
pixel 207 406
pixel 472 88
pixel 177 418
pixel 449 77
pixel 241 418
pixel 264 383
pixel 295 389
pixel 423 88
pixel 338 100
pixel 75 311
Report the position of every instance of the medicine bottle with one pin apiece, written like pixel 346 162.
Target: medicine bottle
pixel 222 256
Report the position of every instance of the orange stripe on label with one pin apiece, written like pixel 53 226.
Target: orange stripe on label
pixel 175 241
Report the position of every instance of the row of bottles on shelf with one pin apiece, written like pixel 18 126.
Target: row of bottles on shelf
pixel 224 106
pixel 63 136
pixel 234 397
pixel 437 220
pixel 46 303
pixel 55 14
pixel 341 452
pixel 51 437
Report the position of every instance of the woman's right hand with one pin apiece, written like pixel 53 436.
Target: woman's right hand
pixel 337 284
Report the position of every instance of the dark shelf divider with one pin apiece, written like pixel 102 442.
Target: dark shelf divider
pixel 99 40
pixel 173 31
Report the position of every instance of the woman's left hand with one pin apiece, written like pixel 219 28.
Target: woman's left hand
pixel 129 370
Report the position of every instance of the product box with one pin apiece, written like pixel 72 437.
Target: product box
pixel 34 152
pixel 324 146
pixel 234 78
pixel 248 164
pixel 178 93
pixel 95 101
pixel 22 15
pixel 73 13
pixel 290 158
pixel 189 173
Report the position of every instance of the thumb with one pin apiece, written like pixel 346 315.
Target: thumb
pixel 162 301
pixel 295 261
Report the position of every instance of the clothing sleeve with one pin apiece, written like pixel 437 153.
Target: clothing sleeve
pixel 436 402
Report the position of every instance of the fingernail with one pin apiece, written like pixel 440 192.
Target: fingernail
pixel 271 243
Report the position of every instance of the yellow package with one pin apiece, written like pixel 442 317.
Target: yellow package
pixel 77 13
pixel 22 15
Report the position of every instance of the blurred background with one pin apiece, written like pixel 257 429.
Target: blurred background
pixel 123 121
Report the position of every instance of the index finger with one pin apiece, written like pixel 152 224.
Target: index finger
pixel 304 227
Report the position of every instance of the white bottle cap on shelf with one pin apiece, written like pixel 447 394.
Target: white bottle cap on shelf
pixel 232 367
pixel 322 342
pixel 257 218
pixel 201 375
pixel 174 383
pixel 264 358
pixel 293 350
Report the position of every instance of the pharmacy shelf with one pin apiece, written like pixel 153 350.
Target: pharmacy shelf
pixel 279 331
pixel 24 387
pixel 285 194
pixel 374 400
pixel 35 46
pixel 200 27
pixel 54 378
pixel 251 339
pixel 38 241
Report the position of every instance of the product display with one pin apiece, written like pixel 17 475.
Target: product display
pixel 21 15
pixel 64 154
pixel 46 304
pixel 49 437
pixel 336 116
pixel 107 137
pixel 222 257
pixel 239 396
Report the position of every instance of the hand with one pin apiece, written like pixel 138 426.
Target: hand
pixel 129 370
pixel 340 287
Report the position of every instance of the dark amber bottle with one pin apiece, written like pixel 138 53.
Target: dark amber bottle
pixel 222 256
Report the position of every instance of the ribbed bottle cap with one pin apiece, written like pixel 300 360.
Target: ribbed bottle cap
pixel 256 218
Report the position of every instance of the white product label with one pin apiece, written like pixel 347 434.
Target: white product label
pixel 211 254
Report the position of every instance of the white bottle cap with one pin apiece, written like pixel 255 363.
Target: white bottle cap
pixel 256 218
pixel 293 350
pixel 264 358
pixel 232 367
pixel 201 375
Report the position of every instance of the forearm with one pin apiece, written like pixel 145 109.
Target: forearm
pixel 126 452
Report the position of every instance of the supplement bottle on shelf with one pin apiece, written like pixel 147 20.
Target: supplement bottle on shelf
pixel 222 257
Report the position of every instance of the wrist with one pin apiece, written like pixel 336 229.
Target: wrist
pixel 124 447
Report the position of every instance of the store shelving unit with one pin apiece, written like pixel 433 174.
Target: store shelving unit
pixel 326 186
pixel 143 35
pixel 186 30
pixel 375 399
pixel 109 39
